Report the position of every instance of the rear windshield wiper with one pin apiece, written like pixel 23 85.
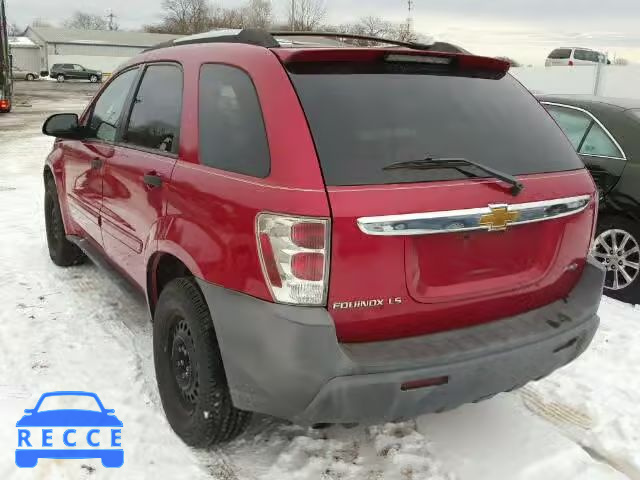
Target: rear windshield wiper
pixel 432 163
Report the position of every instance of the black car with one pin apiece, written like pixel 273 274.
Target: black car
pixel 606 134
pixel 73 71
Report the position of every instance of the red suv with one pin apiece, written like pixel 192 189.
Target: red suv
pixel 329 234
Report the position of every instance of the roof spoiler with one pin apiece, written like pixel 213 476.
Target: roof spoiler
pixel 459 61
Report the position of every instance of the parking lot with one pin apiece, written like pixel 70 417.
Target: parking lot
pixel 77 327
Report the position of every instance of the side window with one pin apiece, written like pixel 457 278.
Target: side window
pixel 573 122
pixel 584 55
pixel 105 117
pixel 232 131
pixel 598 143
pixel 155 117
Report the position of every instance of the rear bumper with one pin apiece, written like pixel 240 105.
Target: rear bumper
pixel 286 361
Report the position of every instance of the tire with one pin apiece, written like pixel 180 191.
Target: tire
pixel 189 370
pixel 30 77
pixel 60 78
pixel 627 238
pixel 93 79
pixel 62 252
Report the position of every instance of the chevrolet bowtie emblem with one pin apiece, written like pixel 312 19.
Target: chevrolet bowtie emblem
pixel 499 218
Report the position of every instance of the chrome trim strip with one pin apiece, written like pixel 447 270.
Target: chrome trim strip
pixel 593 117
pixel 468 220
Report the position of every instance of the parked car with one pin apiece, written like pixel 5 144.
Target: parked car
pixel 20 74
pixel 564 57
pixel 73 71
pixel 329 235
pixel 606 134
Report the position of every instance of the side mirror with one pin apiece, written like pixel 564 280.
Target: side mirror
pixel 62 125
pixel 28 410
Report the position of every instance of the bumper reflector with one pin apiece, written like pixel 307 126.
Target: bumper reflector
pixel 424 383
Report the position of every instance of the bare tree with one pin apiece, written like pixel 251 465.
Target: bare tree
pixel 258 14
pixel 306 15
pixel 183 17
pixel 375 26
pixel 228 18
pixel 86 21
pixel 370 26
pixel 403 33
pixel 13 30
pixel 40 22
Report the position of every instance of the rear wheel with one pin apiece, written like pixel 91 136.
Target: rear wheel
pixel 191 379
pixel 60 78
pixel 30 77
pixel 617 247
pixel 62 252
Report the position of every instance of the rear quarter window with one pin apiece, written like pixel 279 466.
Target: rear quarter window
pixel 574 123
pixel 363 122
pixel 232 130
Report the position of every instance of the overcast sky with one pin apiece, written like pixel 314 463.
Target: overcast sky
pixel 524 30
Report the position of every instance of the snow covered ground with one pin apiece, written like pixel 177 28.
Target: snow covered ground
pixel 75 329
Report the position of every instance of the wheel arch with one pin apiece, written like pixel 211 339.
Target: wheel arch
pixel 162 267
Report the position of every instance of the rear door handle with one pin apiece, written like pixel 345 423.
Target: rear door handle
pixel 96 163
pixel 152 180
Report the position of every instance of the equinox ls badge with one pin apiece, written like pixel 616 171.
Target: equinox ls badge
pixel 374 302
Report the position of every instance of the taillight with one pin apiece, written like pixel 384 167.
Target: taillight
pixel 294 252
pixel 571 63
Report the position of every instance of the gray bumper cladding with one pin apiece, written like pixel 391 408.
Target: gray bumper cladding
pixel 286 361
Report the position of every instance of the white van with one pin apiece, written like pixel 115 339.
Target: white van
pixel 563 57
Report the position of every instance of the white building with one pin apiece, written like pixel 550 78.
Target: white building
pixel 95 49
pixel 25 54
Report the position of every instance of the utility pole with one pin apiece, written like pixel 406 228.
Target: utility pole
pixel 293 15
pixel 111 17
pixel 410 18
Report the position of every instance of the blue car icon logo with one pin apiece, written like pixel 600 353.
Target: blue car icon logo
pixel 69 432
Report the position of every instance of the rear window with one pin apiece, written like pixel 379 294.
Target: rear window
pixel 560 54
pixel 363 121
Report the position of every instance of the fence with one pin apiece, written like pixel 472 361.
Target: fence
pixel 603 80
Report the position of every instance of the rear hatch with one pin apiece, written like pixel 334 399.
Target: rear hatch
pixel 418 248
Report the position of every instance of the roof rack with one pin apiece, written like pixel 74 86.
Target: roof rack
pixel 263 38
pixel 349 36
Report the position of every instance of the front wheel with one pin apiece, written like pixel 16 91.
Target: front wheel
pixel 189 370
pixel 93 79
pixel 30 77
pixel 62 252
pixel 60 78
pixel 617 247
